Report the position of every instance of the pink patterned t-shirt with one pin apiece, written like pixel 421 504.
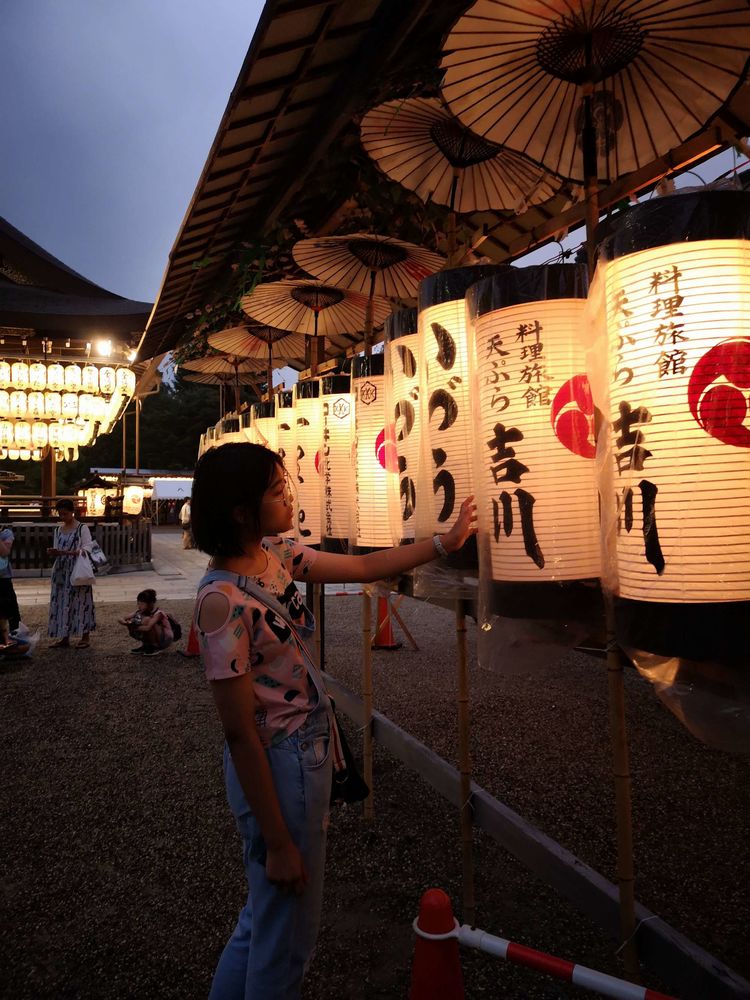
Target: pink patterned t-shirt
pixel 255 640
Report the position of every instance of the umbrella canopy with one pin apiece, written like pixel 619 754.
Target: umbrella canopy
pixel 222 364
pixel 375 265
pixel 256 343
pixel 214 378
pixel 419 143
pixel 653 73
pixel 311 307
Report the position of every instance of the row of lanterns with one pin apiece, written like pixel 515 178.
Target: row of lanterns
pixel 499 384
pixel 41 376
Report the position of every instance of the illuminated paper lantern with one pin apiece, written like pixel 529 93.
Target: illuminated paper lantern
pixel 24 454
pixel 22 434
pixel 677 287
pixel 264 424
pixel 336 459
pixel 13 454
pixel 107 380
pixel 286 428
pixel 69 436
pixel 86 406
pixel 447 433
pixel 373 455
pixel 38 376
pixel 85 433
pixel 55 377
pixel 35 405
pixel 52 405
pixel 18 404
pixel 69 405
pixel 95 499
pixel 246 428
pixel 98 408
pixel 39 434
pixel 90 378
pixel 4 375
pixel 403 406
pixel 308 413
pixel 535 474
pixel 7 434
pixel 73 378
pixel 36 455
pixel 19 375
pixel 132 500
pixel 55 435
pixel 125 381
pixel 4 403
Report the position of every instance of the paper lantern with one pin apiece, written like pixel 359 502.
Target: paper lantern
pixel 86 406
pixel 85 433
pixel 69 405
pixel 13 454
pixel 39 434
pixel 73 378
pixel 404 427
pixel 19 375
pixel 24 454
pixel 55 377
pixel 52 405
pixel 286 428
pixel 38 376
pixel 125 381
pixel 4 403
pixel 7 434
pixel 69 436
pixel 35 405
pixel 18 404
pixel 132 500
pixel 98 408
pixel 90 378
pixel 372 454
pixel 95 499
pixel 309 423
pixel 336 459
pixel 36 455
pixel 447 433
pixel 246 428
pixel 55 435
pixel 107 380
pixel 4 375
pixel 264 424
pixel 535 476
pixel 677 287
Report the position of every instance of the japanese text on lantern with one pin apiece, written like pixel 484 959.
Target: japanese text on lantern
pixel 506 468
pixel 631 455
pixel 444 399
pixel 670 329
pixel 407 392
pixel 327 488
pixel 533 372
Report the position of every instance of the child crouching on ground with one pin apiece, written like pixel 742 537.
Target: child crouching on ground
pixel 149 624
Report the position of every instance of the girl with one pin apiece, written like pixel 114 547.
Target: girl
pixel 71 609
pixel 274 711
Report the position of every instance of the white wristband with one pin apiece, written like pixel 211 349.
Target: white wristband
pixel 439 547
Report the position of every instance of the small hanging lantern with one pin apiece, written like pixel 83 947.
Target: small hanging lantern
pixel 23 434
pixel 55 435
pixel 7 434
pixel 24 454
pixel 95 498
pixel 69 405
pixel 445 475
pixel 98 408
pixel 36 455
pixel 19 375
pixel 677 284
pixel 13 454
pixel 264 424
pixel 55 377
pixel 4 375
pixel 35 405
pixel 86 406
pixel 85 433
pixel 246 428
pixel 4 403
pixel 336 463
pixel 132 500
pixel 38 376
pixel 125 381
pixel 374 456
pixel 403 405
pixel 309 440
pixel 535 444
pixel 69 436
pixel 18 404
pixel 52 405
pixel 286 428
pixel 73 378
pixel 107 380
pixel 90 378
pixel 39 434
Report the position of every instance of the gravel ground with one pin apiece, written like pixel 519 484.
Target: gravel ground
pixel 123 875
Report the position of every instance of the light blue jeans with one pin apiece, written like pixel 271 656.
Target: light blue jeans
pixel 269 950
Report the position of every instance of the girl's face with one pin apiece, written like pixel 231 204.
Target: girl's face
pixel 66 516
pixel 144 607
pixel 277 506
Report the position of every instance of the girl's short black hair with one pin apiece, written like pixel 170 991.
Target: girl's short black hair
pixel 65 505
pixel 147 597
pixel 228 477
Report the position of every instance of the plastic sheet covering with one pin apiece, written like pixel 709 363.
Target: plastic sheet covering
pixel 374 456
pixel 230 429
pixel 308 411
pixel 336 467
pixel 403 427
pixel 264 424
pixel 669 368
pixel 247 429
pixel 445 476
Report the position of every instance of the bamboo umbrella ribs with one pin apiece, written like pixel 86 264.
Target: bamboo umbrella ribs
pixel 362 262
pixel 258 343
pixel 227 370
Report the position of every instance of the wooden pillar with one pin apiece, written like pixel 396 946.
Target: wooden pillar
pixel 49 480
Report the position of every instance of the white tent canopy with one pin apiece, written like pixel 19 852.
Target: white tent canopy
pixel 172 489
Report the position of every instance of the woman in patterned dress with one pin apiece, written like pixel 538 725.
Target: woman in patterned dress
pixel 71 609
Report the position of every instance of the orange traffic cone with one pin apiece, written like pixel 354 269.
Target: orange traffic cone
pixel 436 969
pixel 384 637
pixel 193 647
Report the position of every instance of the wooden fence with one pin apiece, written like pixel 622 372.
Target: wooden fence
pixel 127 547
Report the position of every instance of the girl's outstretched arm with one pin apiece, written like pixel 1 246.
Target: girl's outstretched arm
pixel 331 568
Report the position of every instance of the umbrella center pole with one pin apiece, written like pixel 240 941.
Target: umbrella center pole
pixel 368 317
pixel 452 217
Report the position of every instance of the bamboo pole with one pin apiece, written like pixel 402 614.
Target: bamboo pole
pixel 318 633
pixel 367 699
pixel 368 317
pixel 464 763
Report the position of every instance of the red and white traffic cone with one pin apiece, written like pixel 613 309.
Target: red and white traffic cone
pixel 193 646
pixel 384 637
pixel 436 969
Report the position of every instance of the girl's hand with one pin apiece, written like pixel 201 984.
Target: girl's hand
pixel 465 526
pixel 286 870
pixel 52 552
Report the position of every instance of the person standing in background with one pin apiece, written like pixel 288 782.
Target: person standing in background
pixel 9 614
pixel 187 534
pixel 71 609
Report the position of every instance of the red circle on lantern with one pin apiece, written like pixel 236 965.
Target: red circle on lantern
pixel 720 407
pixel 572 416
pixel 386 452
pixel 317 462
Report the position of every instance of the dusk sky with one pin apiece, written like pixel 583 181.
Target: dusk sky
pixel 109 110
